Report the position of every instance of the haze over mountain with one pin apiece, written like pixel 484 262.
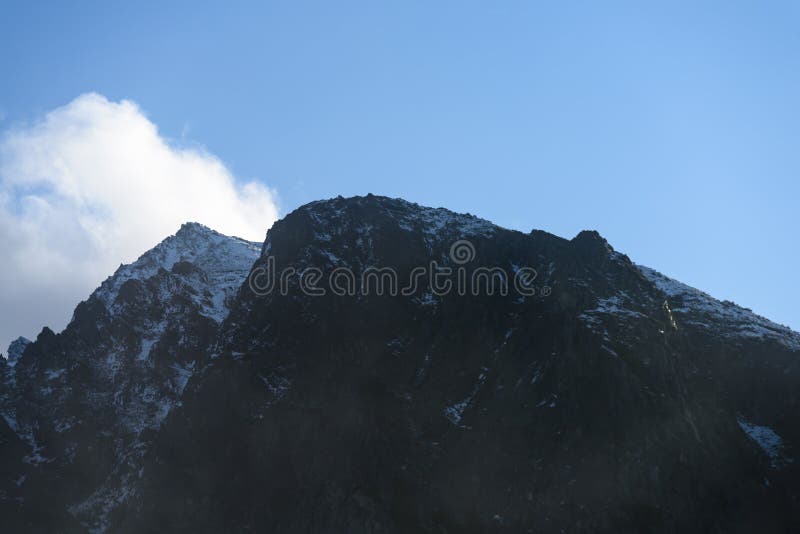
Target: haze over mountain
pixel 609 399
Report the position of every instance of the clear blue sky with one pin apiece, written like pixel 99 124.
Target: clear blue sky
pixel 672 128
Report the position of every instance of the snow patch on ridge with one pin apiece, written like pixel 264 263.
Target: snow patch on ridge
pixel 766 438
pixel 611 306
pixel 697 308
pixel 455 412
pixel 606 311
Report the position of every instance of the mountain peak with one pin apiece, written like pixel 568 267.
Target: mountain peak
pixel 369 224
pixel 397 206
pixel 195 228
pixel 15 350
pixel 590 238
pixel 362 212
pixel 215 254
pixel 591 242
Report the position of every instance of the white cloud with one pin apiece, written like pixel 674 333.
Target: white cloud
pixel 92 185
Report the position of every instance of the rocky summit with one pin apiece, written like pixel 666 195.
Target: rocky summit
pixel 327 381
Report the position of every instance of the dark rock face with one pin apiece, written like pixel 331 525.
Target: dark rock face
pixel 613 399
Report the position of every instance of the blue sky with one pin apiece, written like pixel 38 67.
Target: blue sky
pixel 672 128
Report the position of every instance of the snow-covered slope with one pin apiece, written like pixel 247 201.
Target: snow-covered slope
pixel 694 307
pixel 15 350
pixel 224 260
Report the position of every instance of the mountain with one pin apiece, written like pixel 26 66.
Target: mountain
pixel 592 395
pixel 87 401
